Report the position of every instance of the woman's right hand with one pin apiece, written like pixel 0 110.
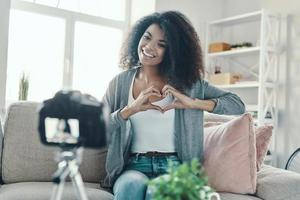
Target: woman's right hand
pixel 142 103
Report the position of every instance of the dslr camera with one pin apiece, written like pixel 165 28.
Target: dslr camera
pixel 71 119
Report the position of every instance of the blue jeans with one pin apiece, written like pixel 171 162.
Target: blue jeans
pixel 132 184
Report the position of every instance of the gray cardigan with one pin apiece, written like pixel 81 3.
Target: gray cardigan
pixel 188 123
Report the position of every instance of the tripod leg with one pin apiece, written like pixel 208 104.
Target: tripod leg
pixel 59 181
pixel 57 191
pixel 77 182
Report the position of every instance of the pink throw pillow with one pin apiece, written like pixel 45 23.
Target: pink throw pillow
pixel 230 156
pixel 210 124
pixel 263 138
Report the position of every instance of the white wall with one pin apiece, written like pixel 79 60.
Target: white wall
pixel 141 8
pixel 4 18
pixel 199 12
pixel 237 7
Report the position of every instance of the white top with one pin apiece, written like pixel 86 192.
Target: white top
pixel 152 130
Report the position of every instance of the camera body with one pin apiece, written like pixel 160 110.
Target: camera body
pixel 72 119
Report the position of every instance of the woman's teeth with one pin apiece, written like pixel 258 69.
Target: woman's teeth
pixel 147 54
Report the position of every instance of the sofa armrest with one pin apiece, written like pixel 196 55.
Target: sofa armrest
pixel 277 184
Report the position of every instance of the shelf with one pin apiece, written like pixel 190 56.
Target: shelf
pixel 249 17
pixel 236 52
pixel 246 84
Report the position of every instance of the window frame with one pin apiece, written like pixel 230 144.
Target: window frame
pixel 4 26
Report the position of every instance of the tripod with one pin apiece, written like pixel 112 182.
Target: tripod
pixel 68 163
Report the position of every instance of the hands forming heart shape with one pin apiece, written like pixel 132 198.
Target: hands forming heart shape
pixel 172 99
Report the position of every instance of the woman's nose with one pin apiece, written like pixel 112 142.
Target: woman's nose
pixel 150 45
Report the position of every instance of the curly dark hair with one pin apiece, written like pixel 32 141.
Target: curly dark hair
pixel 182 63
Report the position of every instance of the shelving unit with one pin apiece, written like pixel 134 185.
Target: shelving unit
pixel 258 65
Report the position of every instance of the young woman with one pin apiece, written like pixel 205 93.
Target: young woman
pixel 157 104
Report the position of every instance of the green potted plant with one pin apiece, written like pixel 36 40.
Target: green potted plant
pixel 185 182
pixel 23 87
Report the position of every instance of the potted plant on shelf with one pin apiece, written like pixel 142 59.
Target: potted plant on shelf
pixel 23 87
pixel 185 182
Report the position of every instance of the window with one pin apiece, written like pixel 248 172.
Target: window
pixel 37 50
pixel 96 53
pixel 64 43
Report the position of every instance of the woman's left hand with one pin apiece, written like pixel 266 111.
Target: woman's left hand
pixel 181 101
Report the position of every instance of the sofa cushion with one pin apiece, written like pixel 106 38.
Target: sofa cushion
pixel 230 156
pixel 277 184
pixel 43 191
pixel 26 159
pixel 231 196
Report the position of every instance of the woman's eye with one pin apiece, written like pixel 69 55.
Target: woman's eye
pixel 162 45
pixel 146 37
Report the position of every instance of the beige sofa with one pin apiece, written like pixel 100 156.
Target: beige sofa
pixel 27 166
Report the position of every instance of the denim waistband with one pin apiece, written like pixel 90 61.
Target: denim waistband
pixel 154 153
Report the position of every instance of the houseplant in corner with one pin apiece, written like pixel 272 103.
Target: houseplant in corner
pixel 185 182
pixel 23 87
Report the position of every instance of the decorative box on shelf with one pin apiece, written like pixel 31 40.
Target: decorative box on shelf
pixel 224 78
pixel 218 47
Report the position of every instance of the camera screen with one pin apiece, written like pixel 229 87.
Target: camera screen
pixel 62 130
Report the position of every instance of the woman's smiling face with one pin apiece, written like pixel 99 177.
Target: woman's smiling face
pixel 152 46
